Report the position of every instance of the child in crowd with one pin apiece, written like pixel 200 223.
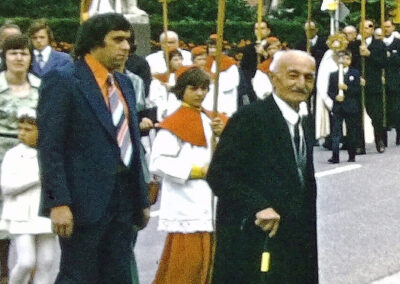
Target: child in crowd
pixel 346 107
pixel 36 246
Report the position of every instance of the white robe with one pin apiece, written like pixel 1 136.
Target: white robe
pixel 185 203
pixel 227 94
pixel 157 62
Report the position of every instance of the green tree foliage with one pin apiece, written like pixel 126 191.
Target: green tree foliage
pixel 40 8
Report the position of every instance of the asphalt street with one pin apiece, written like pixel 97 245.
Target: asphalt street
pixel 358 220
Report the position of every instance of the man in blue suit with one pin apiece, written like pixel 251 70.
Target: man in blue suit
pixel 92 179
pixel 45 57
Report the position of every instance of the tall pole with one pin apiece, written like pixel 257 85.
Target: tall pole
pixel 218 55
pixel 259 20
pixel 382 2
pixel 309 16
pixel 164 44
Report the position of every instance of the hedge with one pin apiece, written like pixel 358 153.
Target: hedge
pixel 193 31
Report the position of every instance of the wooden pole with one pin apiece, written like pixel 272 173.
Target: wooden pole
pixel 218 55
pixel 259 20
pixel 384 102
pixel 309 16
pixel 164 44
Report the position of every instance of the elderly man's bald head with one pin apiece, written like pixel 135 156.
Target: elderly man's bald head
pixel 171 38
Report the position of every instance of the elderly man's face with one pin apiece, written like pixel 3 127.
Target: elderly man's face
pixel 172 42
pixel 294 79
pixel 351 34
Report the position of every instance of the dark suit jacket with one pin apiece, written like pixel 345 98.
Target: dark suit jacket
pixel 352 101
pixel 56 59
pixel 373 68
pixel 317 51
pixel 78 153
pixel 254 168
pixel 392 68
pixel 248 64
pixel 140 67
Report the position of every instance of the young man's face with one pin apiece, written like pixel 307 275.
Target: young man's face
pixel 40 39
pixel 200 60
pixel 388 28
pixel 115 51
pixel 28 133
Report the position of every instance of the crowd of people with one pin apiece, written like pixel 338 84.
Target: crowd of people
pixel 83 137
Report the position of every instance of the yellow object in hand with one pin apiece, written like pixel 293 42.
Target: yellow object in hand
pixel 265 259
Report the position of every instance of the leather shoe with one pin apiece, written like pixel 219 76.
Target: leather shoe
pixel 380 147
pixel 333 161
pixel 351 159
pixel 397 139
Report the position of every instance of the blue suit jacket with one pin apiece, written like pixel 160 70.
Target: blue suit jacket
pixel 78 152
pixel 56 59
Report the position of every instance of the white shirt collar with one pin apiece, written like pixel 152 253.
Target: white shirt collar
pixel 388 40
pixel 45 53
pixel 368 40
pixel 289 114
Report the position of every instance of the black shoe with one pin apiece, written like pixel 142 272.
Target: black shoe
pixel 333 161
pixel 380 147
pixel 397 139
pixel 360 151
pixel 352 159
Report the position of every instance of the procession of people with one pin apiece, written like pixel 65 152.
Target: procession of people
pixel 228 140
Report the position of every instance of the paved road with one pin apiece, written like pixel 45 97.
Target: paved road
pixel 358 220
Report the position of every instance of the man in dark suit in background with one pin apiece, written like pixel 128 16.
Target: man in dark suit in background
pixel 92 179
pixel 392 76
pixel 248 64
pixel 45 57
pixel 374 54
pixel 262 172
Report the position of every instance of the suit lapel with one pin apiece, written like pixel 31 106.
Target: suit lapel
pixel 285 160
pixel 91 91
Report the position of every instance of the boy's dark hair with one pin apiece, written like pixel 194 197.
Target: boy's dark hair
pixel 27 119
pixel 38 25
pixel 16 42
pixel 195 77
pixel 91 33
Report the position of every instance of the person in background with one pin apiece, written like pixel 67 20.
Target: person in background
pixel 18 89
pixel 249 61
pixel 261 83
pixel 346 107
pixel 5 31
pixel 36 245
pixel 157 59
pixel 160 88
pixel 181 154
pixel 46 58
pixel 263 175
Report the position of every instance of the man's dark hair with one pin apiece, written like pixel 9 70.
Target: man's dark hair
pixel 38 25
pixel 15 42
pixel 91 33
pixel 195 77
pixel 27 119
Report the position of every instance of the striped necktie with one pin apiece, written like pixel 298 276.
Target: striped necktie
pixel 40 60
pixel 120 121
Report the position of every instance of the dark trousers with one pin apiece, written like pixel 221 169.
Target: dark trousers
pixel 101 252
pixel 351 120
pixel 374 107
